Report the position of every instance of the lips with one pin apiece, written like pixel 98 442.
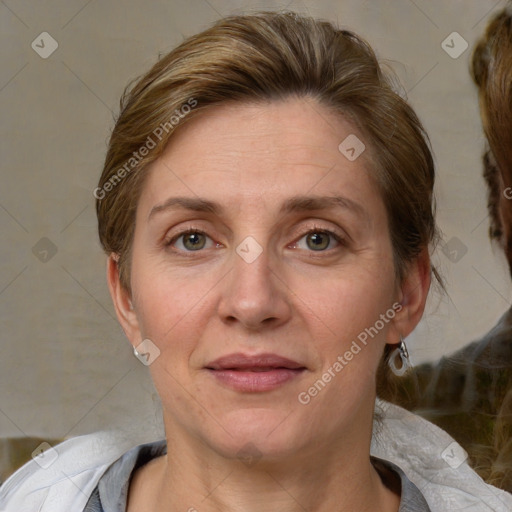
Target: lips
pixel 250 374
pixel 256 363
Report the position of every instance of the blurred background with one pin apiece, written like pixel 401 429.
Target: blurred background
pixel 66 368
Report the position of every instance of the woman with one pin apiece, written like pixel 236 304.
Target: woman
pixel 266 208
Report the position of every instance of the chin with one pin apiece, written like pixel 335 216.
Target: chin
pixel 259 433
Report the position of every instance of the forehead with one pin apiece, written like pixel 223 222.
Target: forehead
pixel 250 152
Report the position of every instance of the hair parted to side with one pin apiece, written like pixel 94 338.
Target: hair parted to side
pixel 491 69
pixel 263 57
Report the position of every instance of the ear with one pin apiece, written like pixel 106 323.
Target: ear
pixel 412 296
pixel 122 300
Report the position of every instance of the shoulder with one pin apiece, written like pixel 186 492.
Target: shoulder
pixel 434 462
pixel 65 476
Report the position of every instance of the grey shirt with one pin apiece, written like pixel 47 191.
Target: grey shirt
pixel 111 492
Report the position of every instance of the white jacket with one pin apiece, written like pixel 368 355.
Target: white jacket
pixel 429 457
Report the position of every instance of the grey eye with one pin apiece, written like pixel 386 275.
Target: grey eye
pixel 318 241
pixel 194 241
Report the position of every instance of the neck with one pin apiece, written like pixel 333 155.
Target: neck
pixel 334 477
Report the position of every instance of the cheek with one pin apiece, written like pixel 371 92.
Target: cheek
pixel 168 306
pixel 344 302
pixel 349 327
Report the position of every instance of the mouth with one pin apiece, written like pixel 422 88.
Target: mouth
pixel 257 363
pixel 259 373
pixel 256 369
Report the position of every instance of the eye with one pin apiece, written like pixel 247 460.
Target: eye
pixel 319 240
pixel 190 240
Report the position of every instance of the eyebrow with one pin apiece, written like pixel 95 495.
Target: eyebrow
pixel 295 204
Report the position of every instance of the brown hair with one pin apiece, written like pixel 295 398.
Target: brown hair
pixel 491 69
pixel 263 57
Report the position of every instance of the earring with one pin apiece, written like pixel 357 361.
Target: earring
pixel 401 351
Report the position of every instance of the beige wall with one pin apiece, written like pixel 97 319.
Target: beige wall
pixel 66 367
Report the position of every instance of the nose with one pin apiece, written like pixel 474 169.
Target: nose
pixel 254 294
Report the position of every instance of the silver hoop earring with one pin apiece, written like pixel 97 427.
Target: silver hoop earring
pixel 400 351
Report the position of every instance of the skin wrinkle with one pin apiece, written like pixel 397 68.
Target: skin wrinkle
pixel 298 205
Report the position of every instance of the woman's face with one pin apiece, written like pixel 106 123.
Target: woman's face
pixel 287 255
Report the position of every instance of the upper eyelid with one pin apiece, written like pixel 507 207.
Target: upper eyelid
pixel 186 231
pixel 340 237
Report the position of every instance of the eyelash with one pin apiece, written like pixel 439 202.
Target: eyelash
pixel 188 231
pixel 318 230
pixel 315 229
